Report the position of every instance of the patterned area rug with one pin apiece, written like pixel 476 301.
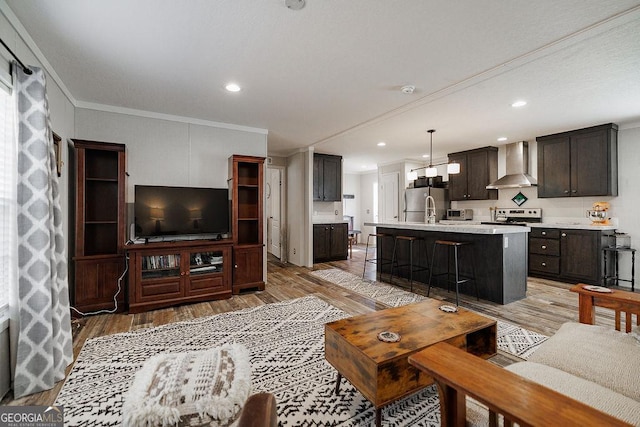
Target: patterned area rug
pixel 511 338
pixel 286 342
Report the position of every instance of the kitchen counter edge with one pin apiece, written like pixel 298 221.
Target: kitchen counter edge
pixel 453 228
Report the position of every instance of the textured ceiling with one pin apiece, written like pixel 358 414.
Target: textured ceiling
pixel 329 74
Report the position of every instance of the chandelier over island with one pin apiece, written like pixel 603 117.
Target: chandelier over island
pixel 431 170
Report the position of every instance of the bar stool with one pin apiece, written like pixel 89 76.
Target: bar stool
pixel 459 279
pixel 412 268
pixel 379 261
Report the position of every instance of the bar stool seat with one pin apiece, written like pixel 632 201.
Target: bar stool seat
pixel 380 261
pixel 412 268
pixel 453 247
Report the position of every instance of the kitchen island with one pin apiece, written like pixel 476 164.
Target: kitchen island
pixel 500 253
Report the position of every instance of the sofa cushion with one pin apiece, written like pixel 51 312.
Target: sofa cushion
pixel 587 392
pixel 605 356
pixel 189 389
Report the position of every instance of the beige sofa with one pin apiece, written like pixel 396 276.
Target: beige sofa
pixel 583 375
pixel 592 364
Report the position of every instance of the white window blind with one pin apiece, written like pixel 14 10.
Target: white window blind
pixel 8 188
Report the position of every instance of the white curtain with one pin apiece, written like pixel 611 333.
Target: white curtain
pixel 40 310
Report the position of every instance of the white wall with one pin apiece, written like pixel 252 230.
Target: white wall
pixel 299 201
pixel 368 205
pixel 162 152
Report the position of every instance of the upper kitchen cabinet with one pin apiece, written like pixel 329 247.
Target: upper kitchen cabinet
pixel 327 178
pixel 579 163
pixel 478 168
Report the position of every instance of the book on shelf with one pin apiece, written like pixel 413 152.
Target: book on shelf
pixel 157 262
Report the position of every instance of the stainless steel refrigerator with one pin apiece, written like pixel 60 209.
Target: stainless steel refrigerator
pixel 415 202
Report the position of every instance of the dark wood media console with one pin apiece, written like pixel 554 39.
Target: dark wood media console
pixel 170 273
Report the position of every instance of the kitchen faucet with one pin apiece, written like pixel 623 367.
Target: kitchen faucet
pixel 430 212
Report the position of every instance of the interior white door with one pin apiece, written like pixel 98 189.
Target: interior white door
pixel 274 186
pixel 389 197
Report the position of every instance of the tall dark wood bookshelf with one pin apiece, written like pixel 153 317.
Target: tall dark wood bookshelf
pixel 246 185
pixel 99 224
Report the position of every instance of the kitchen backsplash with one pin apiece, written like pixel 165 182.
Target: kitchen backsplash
pixel 327 212
pixel 554 210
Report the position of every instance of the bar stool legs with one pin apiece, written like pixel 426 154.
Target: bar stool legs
pixel 412 268
pixel 458 279
pixel 379 261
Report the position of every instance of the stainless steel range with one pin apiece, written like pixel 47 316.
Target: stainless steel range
pixel 517 216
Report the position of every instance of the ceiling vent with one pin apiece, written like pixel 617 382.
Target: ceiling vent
pixel 517 168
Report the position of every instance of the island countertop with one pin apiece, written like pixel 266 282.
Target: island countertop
pixel 453 228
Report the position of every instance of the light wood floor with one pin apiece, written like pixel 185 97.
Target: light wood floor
pixel 548 305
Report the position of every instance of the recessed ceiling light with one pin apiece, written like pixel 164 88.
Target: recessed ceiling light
pixel 519 104
pixel 363 166
pixel 426 156
pixel 232 87
pixel 502 138
pixel 381 144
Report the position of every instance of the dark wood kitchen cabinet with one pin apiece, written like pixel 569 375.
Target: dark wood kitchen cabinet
pixel 330 242
pixel 568 255
pixel 579 163
pixel 327 178
pixel 478 168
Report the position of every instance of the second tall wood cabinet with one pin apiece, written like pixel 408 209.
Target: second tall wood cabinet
pixel 579 163
pixel 478 168
pixel 99 224
pixel 246 185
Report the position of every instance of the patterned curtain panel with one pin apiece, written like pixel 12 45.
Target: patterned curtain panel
pixel 44 347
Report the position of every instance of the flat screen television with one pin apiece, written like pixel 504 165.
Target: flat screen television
pixel 180 211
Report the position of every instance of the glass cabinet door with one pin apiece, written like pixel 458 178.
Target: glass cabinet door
pixel 205 262
pixel 160 266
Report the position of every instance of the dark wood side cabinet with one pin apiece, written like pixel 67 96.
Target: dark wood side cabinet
pixel 478 168
pixel 568 255
pixel 246 185
pixel 98 209
pixel 327 178
pixel 579 163
pixel 330 242
pixel 169 273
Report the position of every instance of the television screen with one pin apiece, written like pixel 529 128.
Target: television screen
pixel 179 211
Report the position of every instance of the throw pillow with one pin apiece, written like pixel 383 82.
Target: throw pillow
pixel 190 389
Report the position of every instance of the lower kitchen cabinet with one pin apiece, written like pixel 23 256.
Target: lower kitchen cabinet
pixel 568 255
pixel 330 242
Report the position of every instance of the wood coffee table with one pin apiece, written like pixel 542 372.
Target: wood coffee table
pixel 380 370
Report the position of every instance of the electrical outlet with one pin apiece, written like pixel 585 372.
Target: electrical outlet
pixel 336 211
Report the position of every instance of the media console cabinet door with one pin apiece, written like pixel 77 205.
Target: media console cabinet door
pixel 247 268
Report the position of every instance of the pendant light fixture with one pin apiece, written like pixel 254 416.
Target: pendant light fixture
pixel 431 170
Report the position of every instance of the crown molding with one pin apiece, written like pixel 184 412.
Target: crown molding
pixel 168 117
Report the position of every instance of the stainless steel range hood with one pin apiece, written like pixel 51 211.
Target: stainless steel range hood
pixel 517 168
